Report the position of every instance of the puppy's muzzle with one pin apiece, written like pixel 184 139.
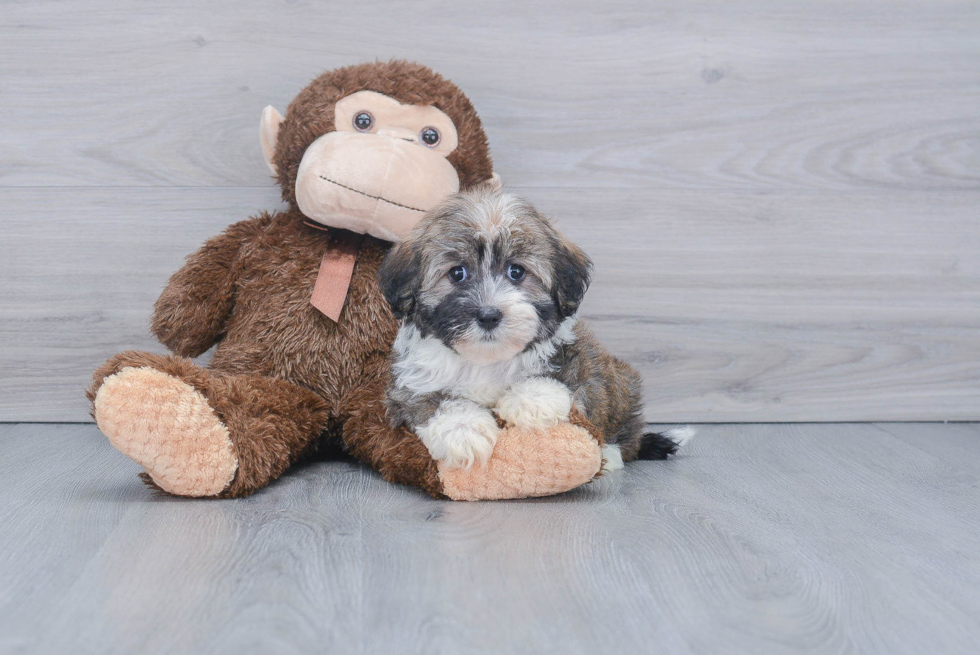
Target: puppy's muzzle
pixel 489 318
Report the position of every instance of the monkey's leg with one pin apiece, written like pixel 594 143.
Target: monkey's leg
pixel 530 462
pixel 198 433
pixel 525 462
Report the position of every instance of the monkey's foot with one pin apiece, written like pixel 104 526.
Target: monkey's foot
pixel 528 462
pixel 166 426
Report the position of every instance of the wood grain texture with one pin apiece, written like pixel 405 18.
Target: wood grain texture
pixel 82 269
pixel 780 198
pixel 778 539
pixel 774 307
pixel 955 443
pixel 817 95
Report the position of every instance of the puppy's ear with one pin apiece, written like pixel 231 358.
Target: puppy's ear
pixel 400 278
pixel 573 274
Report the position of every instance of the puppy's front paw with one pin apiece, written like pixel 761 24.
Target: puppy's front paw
pixel 535 403
pixel 460 434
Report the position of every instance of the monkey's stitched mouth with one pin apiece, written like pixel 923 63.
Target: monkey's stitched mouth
pixel 368 195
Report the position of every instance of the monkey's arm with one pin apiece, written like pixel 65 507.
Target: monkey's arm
pixel 189 316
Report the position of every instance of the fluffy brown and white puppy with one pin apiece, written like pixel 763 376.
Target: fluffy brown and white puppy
pixel 487 290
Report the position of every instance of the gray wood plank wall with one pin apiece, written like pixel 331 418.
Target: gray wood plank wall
pixel 781 198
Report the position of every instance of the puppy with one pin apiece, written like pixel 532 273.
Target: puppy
pixel 487 291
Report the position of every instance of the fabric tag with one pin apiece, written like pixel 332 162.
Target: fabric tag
pixel 336 269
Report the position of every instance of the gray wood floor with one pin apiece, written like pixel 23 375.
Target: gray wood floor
pixel 781 197
pixel 832 538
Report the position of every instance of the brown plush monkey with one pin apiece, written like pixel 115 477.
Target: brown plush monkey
pixel 301 326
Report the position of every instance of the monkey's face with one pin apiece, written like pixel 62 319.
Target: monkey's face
pixel 370 147
pixel 382 167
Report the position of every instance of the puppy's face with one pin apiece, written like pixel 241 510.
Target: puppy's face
pixel 487 275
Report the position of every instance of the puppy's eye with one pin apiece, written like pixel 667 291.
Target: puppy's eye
pixel 515 272
pixel 363 121
pixel 429 136
pixel 458 273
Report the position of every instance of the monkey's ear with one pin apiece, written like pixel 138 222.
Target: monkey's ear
pixel 400 277
pixel 573 275
pixel 268 133
pixel 490 185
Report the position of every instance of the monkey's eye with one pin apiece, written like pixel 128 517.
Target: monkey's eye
pixel 515 272
pixel 429 136
pixel 458 274
pixel 363 121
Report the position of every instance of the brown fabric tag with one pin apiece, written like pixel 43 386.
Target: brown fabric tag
pixel 336 269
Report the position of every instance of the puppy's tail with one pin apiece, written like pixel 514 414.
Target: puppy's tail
pixel 658 445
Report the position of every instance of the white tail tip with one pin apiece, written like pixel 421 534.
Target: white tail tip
pixel 681 436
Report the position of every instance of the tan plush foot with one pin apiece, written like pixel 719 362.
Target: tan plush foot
pixel 168 427
pixel 528 462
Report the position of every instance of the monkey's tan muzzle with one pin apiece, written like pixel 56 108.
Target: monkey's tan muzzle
pixel 372 184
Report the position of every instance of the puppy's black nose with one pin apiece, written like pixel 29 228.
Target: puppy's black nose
pixel 489 317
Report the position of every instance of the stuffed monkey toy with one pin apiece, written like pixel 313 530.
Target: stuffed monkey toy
pixel 302 329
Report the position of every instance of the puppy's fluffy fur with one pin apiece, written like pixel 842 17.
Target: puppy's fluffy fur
pixel 488 290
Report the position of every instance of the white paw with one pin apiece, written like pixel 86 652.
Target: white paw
pixel 535 403
pixel 612 458
pixel 460 434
